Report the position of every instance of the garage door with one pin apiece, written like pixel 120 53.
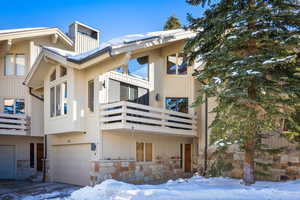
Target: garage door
pixel 71 164
pixel 7 162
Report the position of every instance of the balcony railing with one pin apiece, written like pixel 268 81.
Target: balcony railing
pixel 14 124
pixel 130 117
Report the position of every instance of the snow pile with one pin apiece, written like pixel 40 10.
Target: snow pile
pixel 195 188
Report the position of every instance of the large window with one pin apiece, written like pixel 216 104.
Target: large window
pixel 139 67
pixel 58 100
pixel 177 104
pixel 14 65
pixel 14 106
pixel 144 152
pixel 91 95
pixel 176 64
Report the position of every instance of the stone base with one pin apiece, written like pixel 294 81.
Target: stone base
pixel 136 172
pixel 281 167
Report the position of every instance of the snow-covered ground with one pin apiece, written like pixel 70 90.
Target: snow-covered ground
pixel 195 188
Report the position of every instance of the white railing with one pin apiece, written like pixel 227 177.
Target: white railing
pixel 14 124
pixel 133 116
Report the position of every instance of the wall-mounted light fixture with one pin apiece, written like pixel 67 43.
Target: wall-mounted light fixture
pixel 103 84
pixel 157 97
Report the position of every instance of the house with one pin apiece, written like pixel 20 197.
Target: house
pixel 21 109
pixel 122 110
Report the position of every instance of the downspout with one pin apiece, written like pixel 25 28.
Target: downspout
pixel 206 137
pixel 34 95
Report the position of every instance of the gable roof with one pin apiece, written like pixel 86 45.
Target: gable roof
pixel 116 46
pixel 121 42
pixel 23 33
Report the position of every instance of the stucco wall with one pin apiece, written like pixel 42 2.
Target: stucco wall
pixel 22 153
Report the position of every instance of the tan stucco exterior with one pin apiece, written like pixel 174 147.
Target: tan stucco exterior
pixel 27 42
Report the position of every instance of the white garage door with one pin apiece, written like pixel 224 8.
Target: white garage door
pixel 7 162
pixel 71 164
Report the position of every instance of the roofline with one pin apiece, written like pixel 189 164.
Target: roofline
pixel 36 33
pixel 97 53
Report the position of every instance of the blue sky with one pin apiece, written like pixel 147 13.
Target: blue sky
pixel 113 17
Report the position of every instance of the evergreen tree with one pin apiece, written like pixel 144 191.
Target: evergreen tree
pixel 172 23
pixel 251 53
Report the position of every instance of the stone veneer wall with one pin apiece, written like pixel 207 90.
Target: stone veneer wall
pixel 136 172
pixel 282 166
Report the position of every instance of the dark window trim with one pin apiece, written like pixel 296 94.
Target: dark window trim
pixel 91 95
pixel 32 154
pixel 176 99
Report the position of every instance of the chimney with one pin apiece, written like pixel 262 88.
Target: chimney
pixel 85 38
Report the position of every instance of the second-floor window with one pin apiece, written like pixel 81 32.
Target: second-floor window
pixel 14 65
pixel 91 95
pixel 177 104
pixel 176 64
pixel 14 106
pixel 58 100
pixel 139 68
pixel 134 94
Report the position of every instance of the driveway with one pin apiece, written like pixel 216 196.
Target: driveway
pixel 17 190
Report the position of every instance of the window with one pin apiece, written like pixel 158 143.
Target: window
pixel 53 76
pixel 139 151
pixel 128 92
pixel 14 106
pixel 171 64
pixel 20 65
pixel 65 97
pixel 9 65
pixel 134 94
pixel 58 100
pixel 31 155
pixel 177 104
pixel 91 95
pixel 176 64
pixel 139 67
pixel 148 152
pixel 52 102
pixel 144 152
pixel 63 71
pixel 14 64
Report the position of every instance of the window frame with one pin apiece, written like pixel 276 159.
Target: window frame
pixel 91 95
pixel 176 98
pixel 62 83
pixel 14 106
pixel 136 58
pixel 14 65
pixel 176 64
pixel 144 160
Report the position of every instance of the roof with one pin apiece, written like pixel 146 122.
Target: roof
pixel 22 33
pixel 116 46
pixel 118 42
pixel 6 31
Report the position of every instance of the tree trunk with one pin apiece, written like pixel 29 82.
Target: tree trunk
pixel 248 170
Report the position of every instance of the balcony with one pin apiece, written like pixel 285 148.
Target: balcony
pixel 131 117
pixel 12 124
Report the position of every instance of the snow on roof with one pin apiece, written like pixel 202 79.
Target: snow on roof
pixel 6 31
pixel 115 43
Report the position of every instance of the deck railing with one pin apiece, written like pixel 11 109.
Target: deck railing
pixel 151 118
pixel 14 124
